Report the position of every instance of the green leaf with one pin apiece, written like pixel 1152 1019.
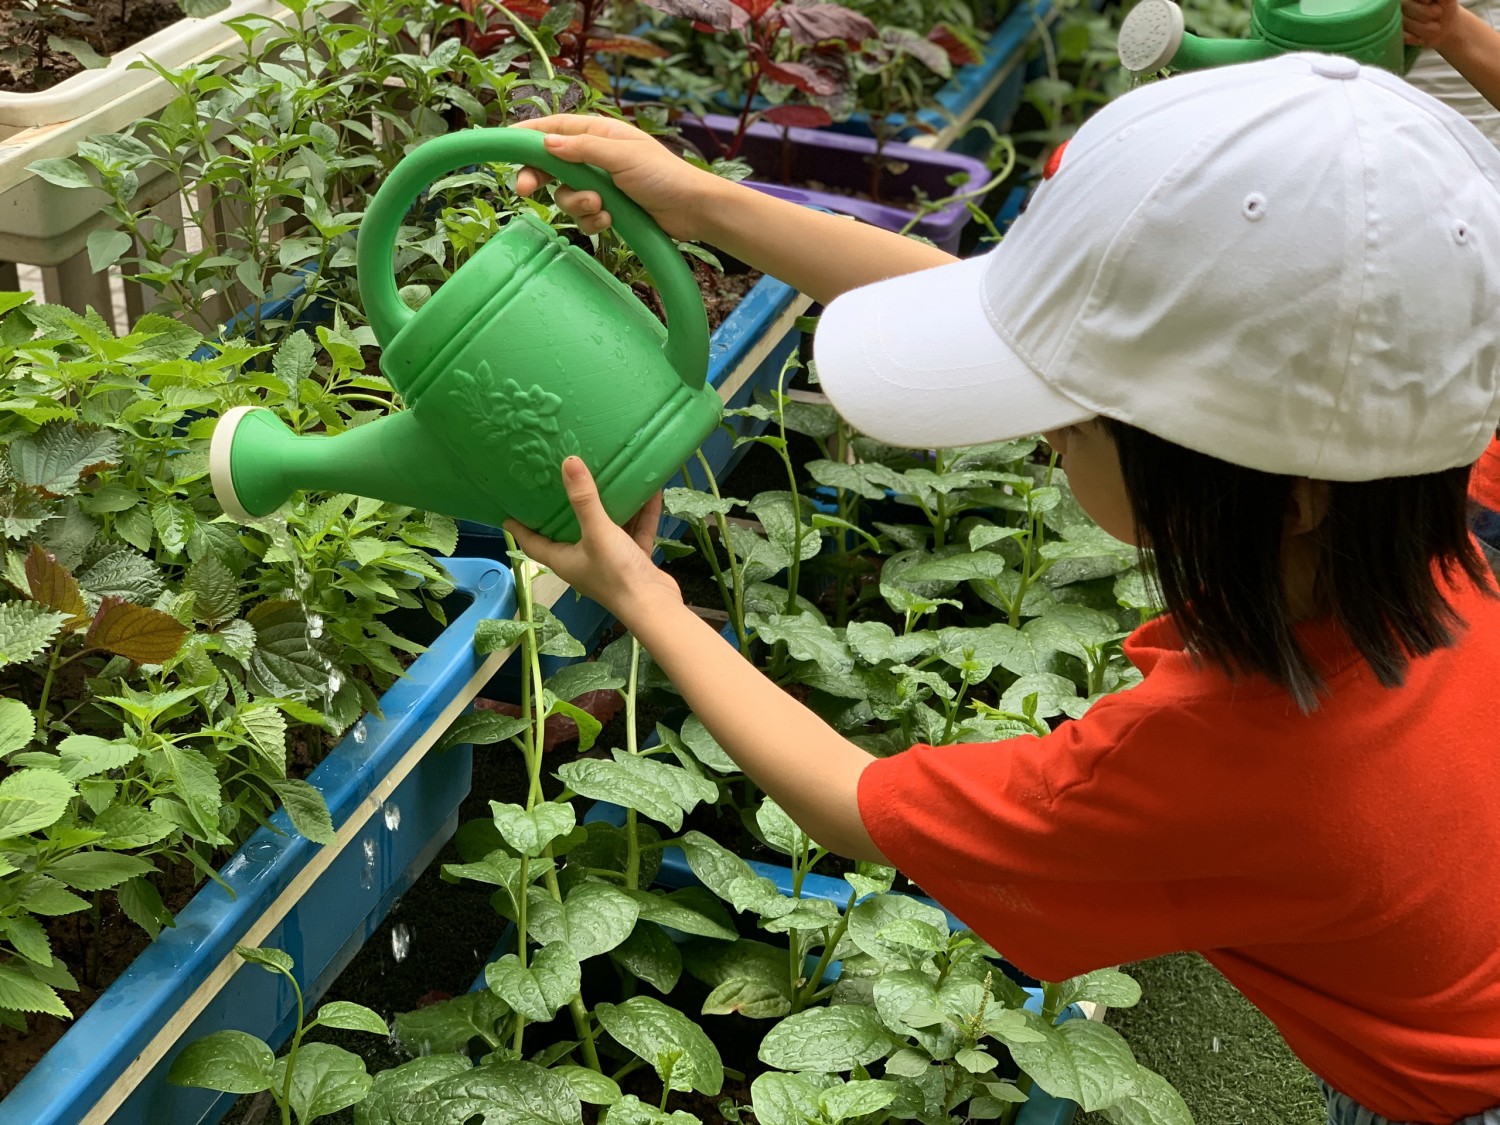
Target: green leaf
pixel 96 870
pixel 630 1110
pixel 690 504
pixel 194 780
pixel 537 990
pixel 779 513
pixel 593 920
pixel 26 629
pixel 651 955
pixel 124 574
pixel 577 679
pixel 731 878
pixel 266 729
pixel 1081 1060
pixel 308 811
pixel 215 590
pixel 622 783
pixel 749 977
pixel 876 642
pixel 49 897
pixel 390 1086
pixel 105 248
pixel 30 939
pixel 975 1061
pixel 141 903
pixel 482 728
pixel 688 911
pixel 287 662
pixel 87 755
pixel 498 870
pixel 1103 986
pixel 17 726
pixel 136 632
pixel 529 833
pixel 325 1080
pixel 21 992
pixel 590 1086
pixel 780 1098
pixel 1154 1102
pixel 806 638
pixel 780 830
pixel 1055 695
pixel 451 1025
pixel 58 456
pixel 655 1032
pixel 231 1061
pixel 495 634
pixel 198 9
pixel 63 171
pixel 827 1040
pixel 704 747
pixel 856 1098
pixel 271 959
pixel 32 799
pixel 869 920
pixel 517 1093
pixel 351 1017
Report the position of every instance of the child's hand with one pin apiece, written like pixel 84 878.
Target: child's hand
pixel 1430 23
pixel 670 189
pixel 610 564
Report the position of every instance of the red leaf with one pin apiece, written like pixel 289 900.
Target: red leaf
pixel 136 632
pixel 712 13
pixel 819 23
pixel 756 10
pixel 629 45
pixel 560 729
pixel 810 80
pixel 54 586
pixel 959 52
pixel 798 116
pixel 924 51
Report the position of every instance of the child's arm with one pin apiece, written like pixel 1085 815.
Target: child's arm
pixel 819 254
pixel 804 764
pixel 1471 46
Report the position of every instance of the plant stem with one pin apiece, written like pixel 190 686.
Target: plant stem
pixel 41 707
pixel 632 833
pixel 538 52
pixel 737 606
pixel 810 989
pixel 291 1055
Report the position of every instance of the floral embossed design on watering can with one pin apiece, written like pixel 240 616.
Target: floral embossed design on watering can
pixel 1153 35
pixel 532 351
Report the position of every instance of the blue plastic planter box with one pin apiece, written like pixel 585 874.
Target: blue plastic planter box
pixel 393 804
pixel 745 354
pixel 989 90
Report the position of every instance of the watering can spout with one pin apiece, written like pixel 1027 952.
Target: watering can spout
pixel 256 462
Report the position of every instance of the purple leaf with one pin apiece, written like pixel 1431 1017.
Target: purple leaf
pixel 819 23
pixel 712 13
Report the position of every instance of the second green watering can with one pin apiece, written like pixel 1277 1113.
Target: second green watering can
pixel 1153 35
pixel 532 351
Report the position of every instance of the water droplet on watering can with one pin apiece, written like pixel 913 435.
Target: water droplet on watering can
pixel 393 817
pixel 400 941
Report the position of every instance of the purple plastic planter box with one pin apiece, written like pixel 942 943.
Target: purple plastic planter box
pixel 843 163
pixel 393 803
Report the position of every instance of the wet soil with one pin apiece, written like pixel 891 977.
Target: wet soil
pixel 107 26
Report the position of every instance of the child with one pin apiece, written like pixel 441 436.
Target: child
pixel 1461 65
pixel 1257 312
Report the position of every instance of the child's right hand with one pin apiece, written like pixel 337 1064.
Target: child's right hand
pixel 670 189
pixel 1430 23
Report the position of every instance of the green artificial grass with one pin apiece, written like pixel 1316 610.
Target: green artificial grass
pixel 1226 1059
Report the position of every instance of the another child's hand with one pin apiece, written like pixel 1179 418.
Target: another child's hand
pixel 1430 23
pixel 610 564
pixel 673 191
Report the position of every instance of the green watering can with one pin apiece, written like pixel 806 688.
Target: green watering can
pixel 529 353
pixel 1369 31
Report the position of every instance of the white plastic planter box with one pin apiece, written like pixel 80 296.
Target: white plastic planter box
pixel 320 904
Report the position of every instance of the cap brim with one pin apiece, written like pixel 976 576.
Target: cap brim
pixel 915 361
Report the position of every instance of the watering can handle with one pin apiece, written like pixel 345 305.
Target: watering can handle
pixel 686 346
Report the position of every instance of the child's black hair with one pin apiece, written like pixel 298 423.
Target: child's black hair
pixel 1215 532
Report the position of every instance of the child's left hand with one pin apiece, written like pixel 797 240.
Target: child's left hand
pixel 1430 23
pixel 609 564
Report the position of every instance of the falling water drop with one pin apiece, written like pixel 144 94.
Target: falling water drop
pixel 360 732
pixel 314 626
pixel 400 941
pixel 335 681
pixel 1216 1044
pixel 393 816
pixel 367 872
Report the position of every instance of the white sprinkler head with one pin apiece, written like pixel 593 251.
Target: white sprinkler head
pixel 219 473
pixel 1150 36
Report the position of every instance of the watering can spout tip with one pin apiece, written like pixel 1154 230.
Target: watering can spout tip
pixel 229 450
pixel 1150 36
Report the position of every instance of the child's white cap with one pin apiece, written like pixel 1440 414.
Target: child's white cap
pixel 1292 265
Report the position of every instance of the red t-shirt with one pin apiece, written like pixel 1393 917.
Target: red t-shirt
pixel 1484 479
pixel 1341 868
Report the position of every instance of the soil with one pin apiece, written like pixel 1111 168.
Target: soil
pixel 119 942
pixel 111 26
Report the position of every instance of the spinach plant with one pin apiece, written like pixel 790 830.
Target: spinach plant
pixel 312 1080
